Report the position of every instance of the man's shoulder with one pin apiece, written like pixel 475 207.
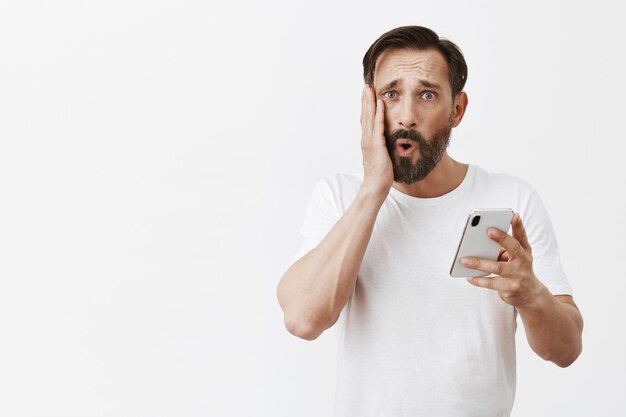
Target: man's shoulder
pixel 339 189
pixel 342 182
pixel 502 180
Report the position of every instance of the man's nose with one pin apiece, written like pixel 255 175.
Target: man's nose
pixel 408 113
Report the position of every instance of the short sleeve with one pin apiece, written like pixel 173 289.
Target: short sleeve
pixel 320 216
pixel 546 258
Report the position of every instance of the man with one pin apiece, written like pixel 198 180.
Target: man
pixel 377 252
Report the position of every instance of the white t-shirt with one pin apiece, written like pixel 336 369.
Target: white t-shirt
pixel 412 340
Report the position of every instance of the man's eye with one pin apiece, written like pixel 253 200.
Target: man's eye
pixel 428 95
pixel 390 94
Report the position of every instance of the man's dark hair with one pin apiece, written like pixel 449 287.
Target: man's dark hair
pixel 420 38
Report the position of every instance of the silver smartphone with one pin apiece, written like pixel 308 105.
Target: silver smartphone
pixel 475 242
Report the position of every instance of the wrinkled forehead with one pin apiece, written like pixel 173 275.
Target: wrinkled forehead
pixel 411 64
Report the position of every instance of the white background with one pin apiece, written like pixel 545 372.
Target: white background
pixel 156 158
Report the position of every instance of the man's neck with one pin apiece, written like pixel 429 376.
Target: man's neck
pixel 445 177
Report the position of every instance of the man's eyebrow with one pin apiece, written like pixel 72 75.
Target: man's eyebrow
pixel 388 86
pixel 425 83
pixel 428 84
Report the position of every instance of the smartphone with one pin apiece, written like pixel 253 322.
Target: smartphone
pixel 475 242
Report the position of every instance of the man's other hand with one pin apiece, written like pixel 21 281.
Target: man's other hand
pixel 516 282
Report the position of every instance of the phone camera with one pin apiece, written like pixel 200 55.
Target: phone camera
pixel 475 220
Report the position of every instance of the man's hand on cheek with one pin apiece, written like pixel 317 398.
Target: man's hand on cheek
pixel 377 166
pixel 516 282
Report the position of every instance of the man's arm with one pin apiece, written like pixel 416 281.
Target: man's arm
pixel 317 286
pixel 553 324
pixel 553 327
pixel 315 289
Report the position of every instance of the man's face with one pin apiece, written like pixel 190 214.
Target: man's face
pixel 418 110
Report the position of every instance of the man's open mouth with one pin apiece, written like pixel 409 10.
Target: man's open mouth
pixel 405 147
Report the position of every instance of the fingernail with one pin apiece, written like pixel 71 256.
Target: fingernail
pixel 465 261
pixel 492 232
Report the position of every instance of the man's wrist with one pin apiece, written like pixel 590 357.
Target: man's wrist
pixel 374 192
pixel 538 297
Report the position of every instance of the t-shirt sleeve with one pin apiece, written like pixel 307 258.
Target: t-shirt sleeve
pixel 320 216
pixel 542 239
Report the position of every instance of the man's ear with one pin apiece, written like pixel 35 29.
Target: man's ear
pixel 460 104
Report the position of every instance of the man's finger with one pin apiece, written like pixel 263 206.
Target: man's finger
pixel 379 122
pixel 495 284
pixel 367 111
pixel 505 240
pixel 519 232
pixel 491 267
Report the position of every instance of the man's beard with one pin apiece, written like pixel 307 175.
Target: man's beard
pixel 430 151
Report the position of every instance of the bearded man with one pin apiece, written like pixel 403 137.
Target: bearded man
pixel 377 250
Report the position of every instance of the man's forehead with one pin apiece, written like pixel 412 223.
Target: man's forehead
pixel 396 64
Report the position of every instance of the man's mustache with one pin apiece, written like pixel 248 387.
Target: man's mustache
pixel 405 134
